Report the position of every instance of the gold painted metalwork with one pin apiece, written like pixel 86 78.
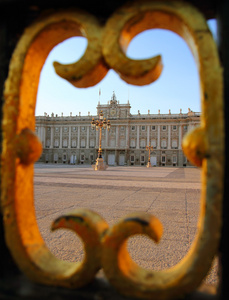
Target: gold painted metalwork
pixel 91 68
pixel 99 125
pixel 21 149
pixel 204 147
pixel 149 148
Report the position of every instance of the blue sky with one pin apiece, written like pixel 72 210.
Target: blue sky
pixel 177 87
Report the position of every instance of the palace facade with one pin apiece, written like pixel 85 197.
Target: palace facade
pixel 71 140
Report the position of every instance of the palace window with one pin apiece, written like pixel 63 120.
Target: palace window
pixel 164 127
pixel 65 143
pixel 133 128
pixel 143 128
pixel 153 127
pixel 47 143
pixel 174 159
pixel 57 129
pixel 143 143
pixel 122 143
pixel 174 144
pixel 56 143
pixel 92 143
pixel 153 143
pixel 132 158
pixel 163 144
pixel 163 159
pixel 174 127
pixel 73 143
pixel 112 143
pixel 82 143
pixel 55 157
pixel 65 129
pixel 132 143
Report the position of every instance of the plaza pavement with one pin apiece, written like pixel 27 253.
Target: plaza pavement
pixel 171 194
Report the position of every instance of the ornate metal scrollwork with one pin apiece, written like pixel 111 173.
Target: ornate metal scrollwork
pixel 204 147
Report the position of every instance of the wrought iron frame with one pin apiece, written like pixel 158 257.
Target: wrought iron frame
pixel 13 283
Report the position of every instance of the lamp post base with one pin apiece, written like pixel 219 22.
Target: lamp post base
pixel 99 165
pixel 148 165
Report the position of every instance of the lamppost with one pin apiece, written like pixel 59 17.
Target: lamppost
pixel 99 125
pixel 149 148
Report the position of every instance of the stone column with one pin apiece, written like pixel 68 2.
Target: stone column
pixel 148 134
pixel 159 137
pixel 39 133
pixel 105 156
pixel 44 137
pixel 51 141
pixel 117 136
pixel 137 146
pixel 127 136
pixel 87 144
pixel 190 127
pixel 169 136
pixel 69 136
pixel 106 143
pixel 78 141
pixel 61 137
pixel 180 137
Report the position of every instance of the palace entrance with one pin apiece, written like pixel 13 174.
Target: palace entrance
pixel 121 160
pixel 111 159
pixel 153 160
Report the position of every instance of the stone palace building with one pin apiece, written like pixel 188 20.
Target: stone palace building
pixel 71 140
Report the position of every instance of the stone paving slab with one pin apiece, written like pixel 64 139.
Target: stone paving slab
pixel 171 194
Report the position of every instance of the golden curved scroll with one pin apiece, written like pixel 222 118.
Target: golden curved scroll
pixel 204 146
pixel 22 234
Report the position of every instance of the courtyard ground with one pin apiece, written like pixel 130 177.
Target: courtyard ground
pixel 171 194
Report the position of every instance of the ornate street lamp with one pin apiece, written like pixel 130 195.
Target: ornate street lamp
pixel 149 148
pixel 99 125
